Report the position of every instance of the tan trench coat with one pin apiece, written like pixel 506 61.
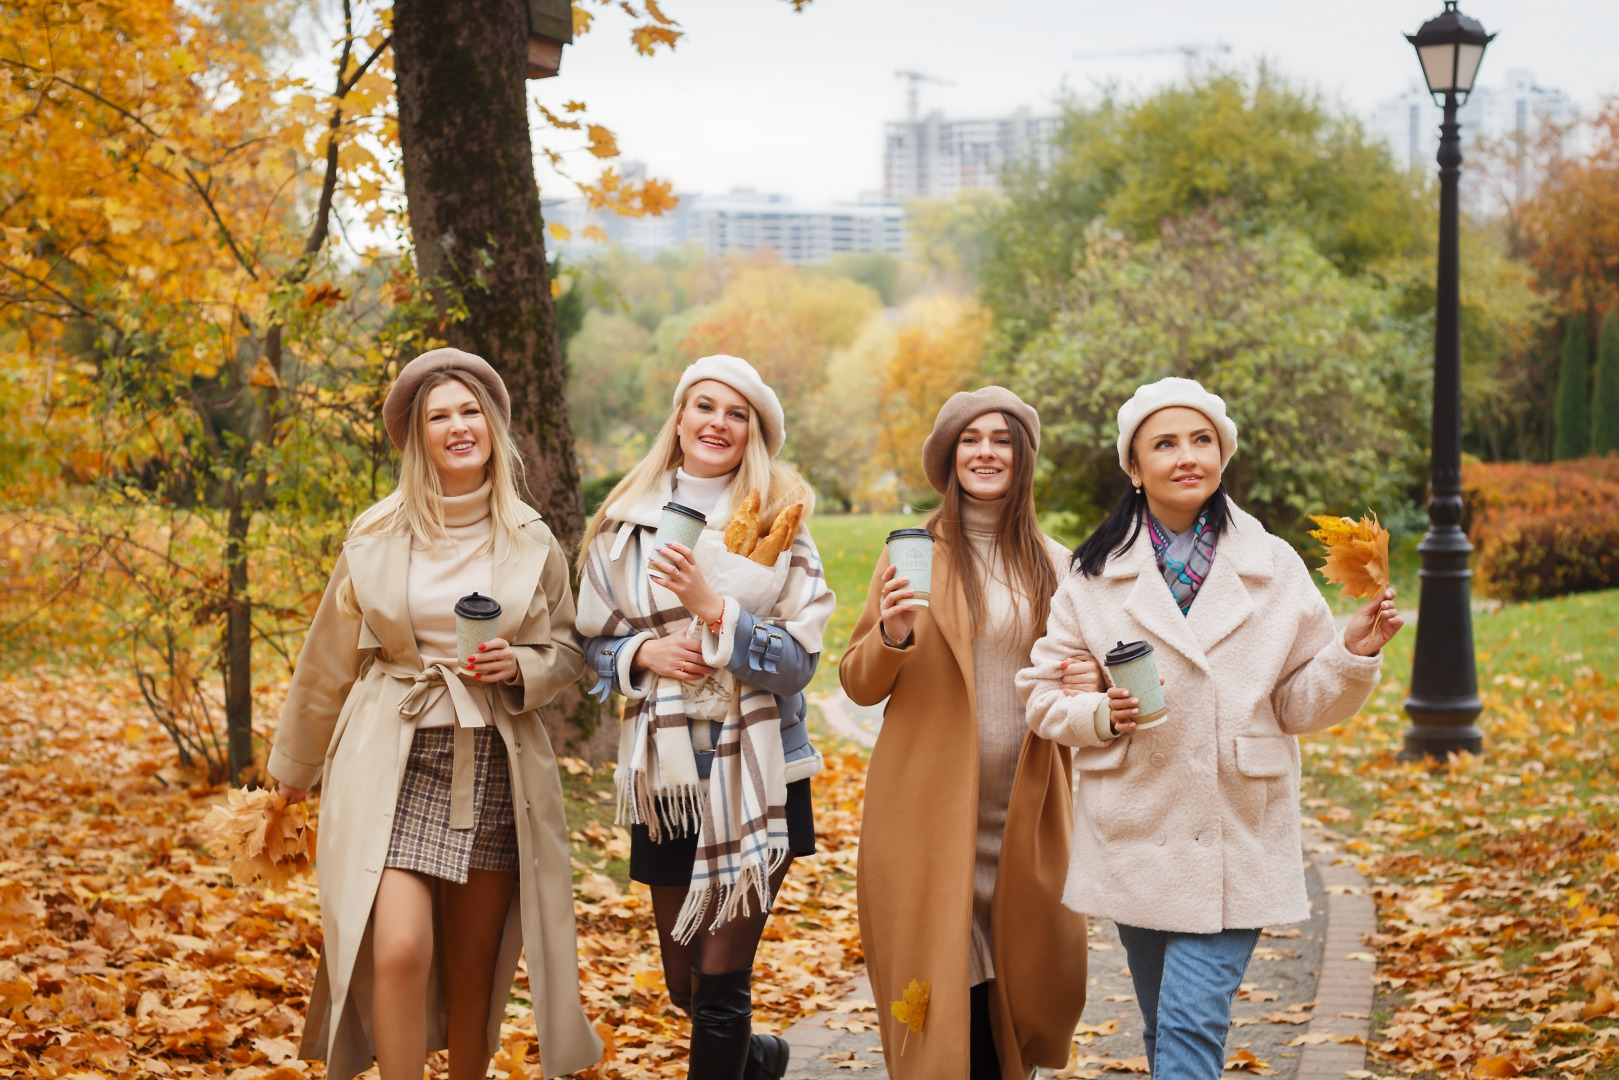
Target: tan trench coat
pixel 341 726
pixel 917 847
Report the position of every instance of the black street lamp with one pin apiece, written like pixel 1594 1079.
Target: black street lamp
pixel 1444 698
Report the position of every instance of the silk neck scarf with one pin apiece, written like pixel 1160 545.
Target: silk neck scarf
pixel 1183 558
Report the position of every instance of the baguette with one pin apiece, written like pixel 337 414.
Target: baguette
pixel 742 534
pixel 781 536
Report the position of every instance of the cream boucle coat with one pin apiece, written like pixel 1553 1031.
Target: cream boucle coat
pixel 1193 825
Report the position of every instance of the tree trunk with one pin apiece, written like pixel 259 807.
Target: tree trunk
pixel 475 220
pixel 238 639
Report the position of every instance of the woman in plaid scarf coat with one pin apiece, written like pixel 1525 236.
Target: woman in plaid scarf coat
pixel 714 760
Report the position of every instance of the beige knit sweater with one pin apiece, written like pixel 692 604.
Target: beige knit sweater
pixel 437 579
pixel 1000 650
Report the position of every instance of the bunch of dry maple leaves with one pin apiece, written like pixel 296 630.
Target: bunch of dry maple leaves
pixel 1496 880
pixel 126 950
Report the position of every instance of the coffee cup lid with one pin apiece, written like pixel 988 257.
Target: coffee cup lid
pixel 686 511
pixel 1125 652
pixel 900 534
pixel 477 606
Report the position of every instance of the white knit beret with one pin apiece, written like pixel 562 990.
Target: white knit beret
pixel 1164 394
pixel 740 376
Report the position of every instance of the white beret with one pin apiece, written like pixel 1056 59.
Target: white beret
pixel 1164 394
pixel 740 376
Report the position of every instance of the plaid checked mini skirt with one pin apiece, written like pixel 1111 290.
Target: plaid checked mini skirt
pixel 422 838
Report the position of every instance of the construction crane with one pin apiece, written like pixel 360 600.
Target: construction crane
pixel 915 77
pixel 1190 53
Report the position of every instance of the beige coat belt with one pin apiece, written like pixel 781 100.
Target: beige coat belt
pixel 467 717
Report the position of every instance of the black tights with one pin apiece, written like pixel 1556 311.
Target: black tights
pixel 985 1064
pixel 730 948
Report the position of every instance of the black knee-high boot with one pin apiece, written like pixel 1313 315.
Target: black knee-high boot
pixel 721 1021
pixel 723 1046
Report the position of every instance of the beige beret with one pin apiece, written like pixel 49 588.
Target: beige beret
pixel 396 409
pixel 939 451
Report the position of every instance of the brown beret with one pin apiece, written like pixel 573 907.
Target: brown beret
pixel 939 451
pixel 396 409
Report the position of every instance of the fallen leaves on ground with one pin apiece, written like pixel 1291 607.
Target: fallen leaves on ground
pixel 123 948
pixel 1496 879
pixel 126 950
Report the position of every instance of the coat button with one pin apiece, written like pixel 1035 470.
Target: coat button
pixel 1205 840
pixel 1159 839
pixel 1158 758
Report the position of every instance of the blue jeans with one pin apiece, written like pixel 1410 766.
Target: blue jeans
pixel 1185 984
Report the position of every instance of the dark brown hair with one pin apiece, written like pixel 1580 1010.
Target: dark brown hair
pixel 1018 539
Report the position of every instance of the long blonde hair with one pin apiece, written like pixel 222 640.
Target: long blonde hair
pixel 779 484
pixel 416 506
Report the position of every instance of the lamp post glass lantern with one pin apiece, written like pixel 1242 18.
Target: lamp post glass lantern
pixel 1444 699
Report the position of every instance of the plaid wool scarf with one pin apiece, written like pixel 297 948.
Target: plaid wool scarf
pixel 739 812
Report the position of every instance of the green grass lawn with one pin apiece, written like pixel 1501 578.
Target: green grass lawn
pixel 849 546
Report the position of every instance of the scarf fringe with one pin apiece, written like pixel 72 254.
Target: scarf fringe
pixel 729 900
pixel 677 811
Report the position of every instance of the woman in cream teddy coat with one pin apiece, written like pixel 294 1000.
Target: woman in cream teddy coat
pixel 1186 833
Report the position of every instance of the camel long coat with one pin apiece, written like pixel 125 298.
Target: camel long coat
pixel 917 847
pixel 1193 825
pixel 341 726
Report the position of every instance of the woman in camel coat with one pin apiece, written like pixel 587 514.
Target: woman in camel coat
pixel 1186 832
pixel 965 834
pixel 352 723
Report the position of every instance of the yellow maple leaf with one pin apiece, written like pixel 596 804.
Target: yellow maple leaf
pixel 1357 554
pixel 602 142
pixel 647 38
pixel 912 1009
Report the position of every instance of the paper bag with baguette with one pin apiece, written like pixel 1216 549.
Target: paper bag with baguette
pixel 751 569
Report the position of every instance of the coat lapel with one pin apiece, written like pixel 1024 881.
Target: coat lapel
pixel 517 579
pixel 1224 603
pixel 1150 602
pixel 379 566
pixel 948 603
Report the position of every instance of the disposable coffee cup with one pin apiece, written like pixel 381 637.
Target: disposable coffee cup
pixel 910 552
pixel 1131 665
pixel 475 619
pixel 679 525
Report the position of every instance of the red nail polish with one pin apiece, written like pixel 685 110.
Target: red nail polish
pixel 481 648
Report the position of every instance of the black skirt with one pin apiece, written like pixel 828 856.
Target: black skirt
pixel 670 862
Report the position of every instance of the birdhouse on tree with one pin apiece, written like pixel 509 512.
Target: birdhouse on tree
pixel 550 26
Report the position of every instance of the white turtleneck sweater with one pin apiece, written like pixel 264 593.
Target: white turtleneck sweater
pixel 1000 649
pixel 437 579
pixel 701 493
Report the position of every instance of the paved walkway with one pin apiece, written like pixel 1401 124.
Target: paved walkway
pixel 1310 984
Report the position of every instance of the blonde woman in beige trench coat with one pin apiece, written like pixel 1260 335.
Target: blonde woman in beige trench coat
pixel 417 761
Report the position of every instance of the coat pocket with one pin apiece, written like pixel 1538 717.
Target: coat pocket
pixel 1267 762
pixel 1264 756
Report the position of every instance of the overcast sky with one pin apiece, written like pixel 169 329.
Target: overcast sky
pixel 755 95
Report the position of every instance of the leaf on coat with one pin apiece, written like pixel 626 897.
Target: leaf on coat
pixel 912 1009
pixel 263 837
pixel 1357 554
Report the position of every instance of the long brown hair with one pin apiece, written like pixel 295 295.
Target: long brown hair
pixel 1018 539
